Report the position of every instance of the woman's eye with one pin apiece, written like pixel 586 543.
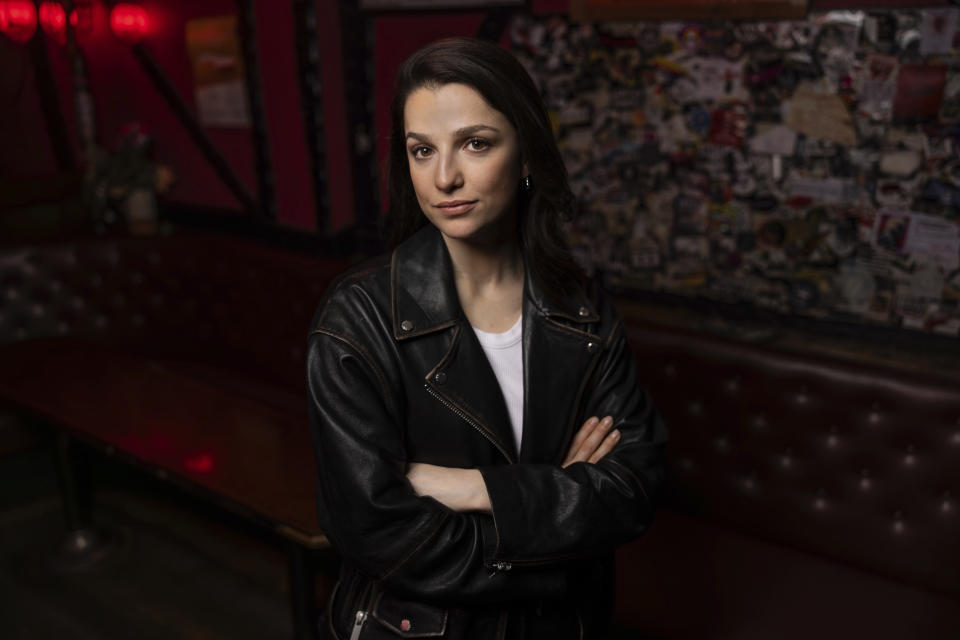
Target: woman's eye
pixel 478 144
pixel 420 152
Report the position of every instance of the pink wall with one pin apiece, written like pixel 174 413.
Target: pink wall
pixel 24 145
pixel 123 94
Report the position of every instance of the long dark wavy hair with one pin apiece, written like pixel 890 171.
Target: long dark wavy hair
pixel 506 86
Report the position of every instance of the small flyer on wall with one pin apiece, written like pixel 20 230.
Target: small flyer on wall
pixel 919 234
pixel 218 76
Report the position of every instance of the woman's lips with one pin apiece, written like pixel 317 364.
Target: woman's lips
pixel 456 207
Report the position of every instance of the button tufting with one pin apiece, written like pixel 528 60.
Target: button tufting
pixel 440 377
pixel 865 482
pixel 833 440
pixel 910 459
pixel 946 502
pixel 584 312
pixel 759 422
pixel 591 347
pixel 732 385
pixel 695 408
pixel 406 325
pixel 786 460
pixel 898 525
pixel 820 501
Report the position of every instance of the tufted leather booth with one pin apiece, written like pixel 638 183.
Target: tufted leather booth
pixel 202 296
pixel 807 461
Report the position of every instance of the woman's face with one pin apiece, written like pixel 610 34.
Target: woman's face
pixel 464 159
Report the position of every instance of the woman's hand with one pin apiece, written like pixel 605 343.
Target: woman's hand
pixel 465 490
pixel 458 489
pixel 592 442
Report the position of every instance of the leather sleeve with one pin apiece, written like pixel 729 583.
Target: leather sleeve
pixel 545 513
pixel 414 545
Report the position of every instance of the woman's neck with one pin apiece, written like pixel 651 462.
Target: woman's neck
pixel 489 281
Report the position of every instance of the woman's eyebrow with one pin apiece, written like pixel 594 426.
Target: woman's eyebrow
pixel 467 131
pixel 459 133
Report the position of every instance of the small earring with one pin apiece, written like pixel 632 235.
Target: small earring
pixel 526 183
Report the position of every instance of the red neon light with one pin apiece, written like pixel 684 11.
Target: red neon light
pixel 18 20
pixel 53 20
pixel 129 22
pixel 199 463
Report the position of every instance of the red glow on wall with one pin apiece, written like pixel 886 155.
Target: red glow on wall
pixel 199 463
pixel 53 20
pixel 18 20
pixel 129 22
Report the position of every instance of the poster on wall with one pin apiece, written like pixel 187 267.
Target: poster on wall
pixel 218 76
pixel 687 9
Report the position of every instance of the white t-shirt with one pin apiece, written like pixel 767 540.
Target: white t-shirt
pixel 505 353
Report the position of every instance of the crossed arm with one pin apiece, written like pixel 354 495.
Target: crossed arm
pixel 464 489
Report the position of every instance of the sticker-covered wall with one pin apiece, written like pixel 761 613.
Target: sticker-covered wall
pixel 808 167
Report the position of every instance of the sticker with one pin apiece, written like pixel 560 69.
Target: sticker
pixel 937 29
pixel 717 79
pixel 921 234
pixel 878 86
pixel 820 115
pixel 919 92
pixel 728 126
pixel 778 139
pixel 827 190
pixel 950 104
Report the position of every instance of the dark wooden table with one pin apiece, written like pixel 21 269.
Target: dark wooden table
pixel 241 442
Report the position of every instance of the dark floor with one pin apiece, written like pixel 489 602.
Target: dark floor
pixel 178 569
pixel 173 573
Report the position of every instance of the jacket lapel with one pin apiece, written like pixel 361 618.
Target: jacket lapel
pixel 557 361
pixel 425 302
pixel 559 352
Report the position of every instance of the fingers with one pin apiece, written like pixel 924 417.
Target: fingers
pixel 605 447
pixel 585 430
pixel 592 442
pixel 588 426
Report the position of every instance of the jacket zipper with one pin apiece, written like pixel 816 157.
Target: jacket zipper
pixel 361 616
pixel 468 420
pixel 358 624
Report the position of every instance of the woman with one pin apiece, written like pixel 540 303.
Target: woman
pixel 447 382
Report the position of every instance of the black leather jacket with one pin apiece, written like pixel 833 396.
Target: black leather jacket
pixel 395 375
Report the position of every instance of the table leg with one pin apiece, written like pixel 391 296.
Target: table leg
pixel 83 545
pixel 300 573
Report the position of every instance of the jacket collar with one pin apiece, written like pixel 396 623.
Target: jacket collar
pixel 424 297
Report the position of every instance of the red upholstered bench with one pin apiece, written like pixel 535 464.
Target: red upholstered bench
pixel 811 495
pixel 181 355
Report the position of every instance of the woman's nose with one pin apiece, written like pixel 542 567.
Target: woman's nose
pixel 448 176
